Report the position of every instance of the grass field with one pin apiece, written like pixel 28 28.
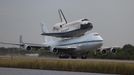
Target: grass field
pixel 122 68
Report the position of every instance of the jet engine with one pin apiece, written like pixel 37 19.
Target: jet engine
pixel 114 49
pixel 53 50
pixel 105 51
pixel 102 51
pixel 27 47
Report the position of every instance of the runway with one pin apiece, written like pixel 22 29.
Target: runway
pixel 17 71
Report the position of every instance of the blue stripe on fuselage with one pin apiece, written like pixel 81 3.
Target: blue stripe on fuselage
pixel 80 42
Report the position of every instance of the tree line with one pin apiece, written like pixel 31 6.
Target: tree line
pixel 126 52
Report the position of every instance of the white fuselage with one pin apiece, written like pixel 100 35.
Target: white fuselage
pixel 90 41
pixel 65 27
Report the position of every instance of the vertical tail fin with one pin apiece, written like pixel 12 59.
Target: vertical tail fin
pixel 21 41
pixel 61 15
pixel 45 30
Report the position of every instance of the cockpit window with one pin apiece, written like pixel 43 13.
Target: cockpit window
pixel 85 20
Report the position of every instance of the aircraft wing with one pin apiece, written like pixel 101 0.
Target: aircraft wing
pixel 107 50
pixel 10 43
pixel 33 45
pixel 27 45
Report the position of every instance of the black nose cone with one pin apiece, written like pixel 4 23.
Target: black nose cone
pixel 87 26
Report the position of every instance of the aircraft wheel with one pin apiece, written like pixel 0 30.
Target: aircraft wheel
pixel 64 56
pixel 83 57
pixel 73 57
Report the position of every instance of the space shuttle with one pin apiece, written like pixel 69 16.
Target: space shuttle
pixel 65 29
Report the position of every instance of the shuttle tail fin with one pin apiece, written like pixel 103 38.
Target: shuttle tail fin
pixel 45 30
pixel 61 15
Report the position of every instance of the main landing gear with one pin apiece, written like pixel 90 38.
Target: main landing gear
pixel 66 56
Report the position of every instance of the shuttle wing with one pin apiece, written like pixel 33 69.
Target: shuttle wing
pixel 73 33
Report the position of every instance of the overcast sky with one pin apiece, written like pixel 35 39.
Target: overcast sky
pixel 113 19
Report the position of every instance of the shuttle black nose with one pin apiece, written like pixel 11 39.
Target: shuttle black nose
pixel 87 26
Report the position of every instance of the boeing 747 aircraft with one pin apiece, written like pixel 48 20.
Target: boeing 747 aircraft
pixel 69 47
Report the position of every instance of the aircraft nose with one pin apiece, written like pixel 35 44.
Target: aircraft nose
pixel 87 25
pixel 99 44
pixel 85 22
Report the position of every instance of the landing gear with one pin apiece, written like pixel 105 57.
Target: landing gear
pixel 73 56
pixel 83 57
pixel 67 56
pixel 63 56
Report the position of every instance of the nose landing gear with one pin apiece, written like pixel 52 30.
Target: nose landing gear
pixel 83 57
